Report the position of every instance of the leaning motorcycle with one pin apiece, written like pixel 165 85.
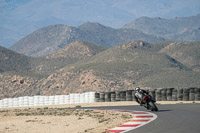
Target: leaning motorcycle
pixel 149 103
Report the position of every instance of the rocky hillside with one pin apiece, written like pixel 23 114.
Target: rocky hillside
pixel 19 77
pixel 12 85
pixel 70 54
pixel 76 50
pixel 177 29
pixel 49 39
pixel 81 66
pixel 12 61
pixel 120 68
pixel 186 53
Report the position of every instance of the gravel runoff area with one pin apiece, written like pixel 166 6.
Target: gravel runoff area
pixel 66 118
pixel 61 120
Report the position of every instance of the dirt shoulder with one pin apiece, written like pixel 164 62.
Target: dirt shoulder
pixel 123 103
pixel 101 104
pixel 62 120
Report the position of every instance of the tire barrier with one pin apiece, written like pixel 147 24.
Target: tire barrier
pixel 129 96
pixel 5 103
pixel 96 97
pixel 10 103
pixel 158 95
pixel 180 94
pixel 167 94
pixel 107 96
pixel 16 103
pixel 77 98
pixel 102 97
pixel 1 103
pixel 67 99
pixel 152 93
pixel 164 94
pixel 51 100
pixel 46 100
pixel 27 101
pixel 90 96
pixel 122 96
pixel 133 95
pixel 56 99
pixel 72 99
pixel 113 97
pixel 186 92
pixel 117 95
pixel 21 102
pixel 192 94
pixel 197 94
pixel 174 95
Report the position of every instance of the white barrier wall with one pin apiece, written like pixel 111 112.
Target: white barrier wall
pixel 76 98
pixel 82 98
pixel 15 102
pixel 67 99
pixel 91 97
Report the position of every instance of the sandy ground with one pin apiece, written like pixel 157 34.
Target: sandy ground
pixel 59 120
pixel 123 103
pixel 65 119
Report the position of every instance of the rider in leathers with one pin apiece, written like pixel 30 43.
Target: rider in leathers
pixel 139 95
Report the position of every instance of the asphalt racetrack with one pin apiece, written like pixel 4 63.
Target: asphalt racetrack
pixel 176 118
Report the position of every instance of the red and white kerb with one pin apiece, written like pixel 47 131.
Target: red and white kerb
pixel 140 118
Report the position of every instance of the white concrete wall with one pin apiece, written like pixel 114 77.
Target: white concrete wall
pixel 27 101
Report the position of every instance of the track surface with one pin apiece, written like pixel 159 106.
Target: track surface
pixel 178 118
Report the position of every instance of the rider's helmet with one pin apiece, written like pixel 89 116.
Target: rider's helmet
pixel 137 88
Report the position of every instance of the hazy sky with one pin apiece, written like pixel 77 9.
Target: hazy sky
pixel 21 17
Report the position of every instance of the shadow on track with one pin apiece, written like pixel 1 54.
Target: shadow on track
pixel 163 110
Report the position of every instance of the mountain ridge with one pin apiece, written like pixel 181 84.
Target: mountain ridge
pixel 17 60
pixel 178 29
pixel 14 13
pixel 49 39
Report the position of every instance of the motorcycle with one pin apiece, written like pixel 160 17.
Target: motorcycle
pixel 149 103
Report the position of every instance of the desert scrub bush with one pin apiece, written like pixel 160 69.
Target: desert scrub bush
pixel 3 111
pixel 126 116
pixel 46 108
pixel 96 112
pixel 88 111
pixel 23 114
pixel 80 118
pixel 60 108
pixel 103 120
pixel 78 106
pixel 41 113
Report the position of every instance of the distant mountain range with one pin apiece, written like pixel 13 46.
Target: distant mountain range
pixel 22 17
pixel 49 39
pixel 81 66
pixel 177 29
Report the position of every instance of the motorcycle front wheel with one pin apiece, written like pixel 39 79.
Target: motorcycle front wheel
pixel 153 107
